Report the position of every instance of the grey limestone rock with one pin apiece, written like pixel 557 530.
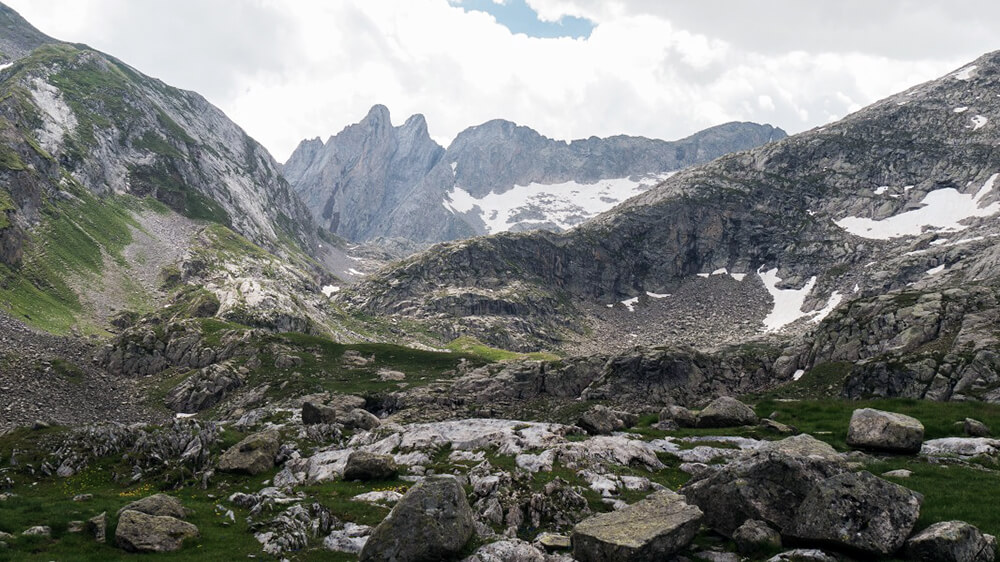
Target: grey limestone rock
pixel 252 455
pixel 754 536
pixel 884 431
pixel 647 531
pixel 139 532
pixel 366 466
pixel 726 411
pixel 157 504
pixel 433 521
pixel 858 511
pixel 951 541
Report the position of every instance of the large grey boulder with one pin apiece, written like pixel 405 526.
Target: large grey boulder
pixel 884 431
pixel 975 428
pixel 360 419
pixel 317 413
pixel 951 541
pixel 433 521
pixel 647 531
pixel 253 455
pixel 766 485
pixel 858 511
pixel 365 466
pixel 726 411
pixel 802 445
pixel 140 532
pixel 157 504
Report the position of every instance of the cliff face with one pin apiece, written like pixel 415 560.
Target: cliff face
pixel 373 180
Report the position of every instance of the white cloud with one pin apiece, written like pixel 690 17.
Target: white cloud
pixel 299 69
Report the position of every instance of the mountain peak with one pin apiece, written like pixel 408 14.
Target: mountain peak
pixel 17 36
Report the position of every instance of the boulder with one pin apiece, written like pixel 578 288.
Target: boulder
pixel 755 536
pixel 553 541
pixel 951 541
pixel 726 412
pixel 433 521
pixel 139 532
pixel 646 531
pixel 976 428
pixel 858 511
pixel 679 415
pixel 802 445
pixel 884 431
pixel 508 550
pixel 964 448
pixel 366 466
pixel 600 420
pixel 157 504
pixel 253 455
pixel 97 526
pixel 766 485
pixel 317 413
pixel 360 419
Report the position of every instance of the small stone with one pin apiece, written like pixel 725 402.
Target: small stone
pixel 679 415
pixel 75 526
pixel 755 536
pixel 253 455
pixel 157 504
pixel 366 466
pixel 898 473
pixel 38 531
pixel 553 541
pixel 139 532
pixel 83 497
pixel 726 411
pixel 976 428
pixel 97 526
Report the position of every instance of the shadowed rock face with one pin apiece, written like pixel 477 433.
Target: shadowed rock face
pixel 373 180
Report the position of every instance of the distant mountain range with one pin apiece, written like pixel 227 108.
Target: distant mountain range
pixel 373 180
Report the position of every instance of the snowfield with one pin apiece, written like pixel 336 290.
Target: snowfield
pixel 536 205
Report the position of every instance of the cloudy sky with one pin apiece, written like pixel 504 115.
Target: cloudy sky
pixel 292 69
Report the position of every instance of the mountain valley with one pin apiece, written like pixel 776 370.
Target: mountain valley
pixel 512 348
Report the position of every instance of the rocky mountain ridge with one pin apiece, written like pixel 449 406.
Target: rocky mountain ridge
pixel 373 180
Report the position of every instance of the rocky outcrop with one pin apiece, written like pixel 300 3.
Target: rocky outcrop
pixel 647 531
pixel 433 521
pixel 204 389
pixel 884 431
pixel 858 511
pixel 139 532
pixel 253 455
pixel 951 541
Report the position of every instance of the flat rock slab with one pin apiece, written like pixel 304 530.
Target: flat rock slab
pixel 884 431
pixel 139 532
pixel 858 511
pixel 647 531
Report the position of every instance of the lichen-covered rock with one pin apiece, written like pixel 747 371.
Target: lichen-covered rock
pixel 600 420
pixel 360 419
pixel 726 411
pixel 859 511
pixel 139 532
pixel 961 447
pixel 157 504
pixel 766 485
pixel 317 413
pixel 433 521
pixel 755 536
pixel 510 550
pixel 884 431
pixel 647 531
pixel 975 428
pixel 365 466
pixel 204 389
pixel 679 415
pixel 802 445
pixel 253 455
pixel 97 526
pixel 951 541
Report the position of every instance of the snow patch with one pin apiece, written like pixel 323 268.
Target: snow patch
pixel 721 271
pixel 965 73
pixel 881 189
pixel 935 270
pixel 329 290
pixel 835 299
pixel 704 275
pixel 630 303
pixel 978 121
pixel 943 209
pixel 657 295
pixel 181 415
pixel 738 276
pixel 5 66
pixel 962 109
pixel 564 205
pixel 787 302
pixel 798 374
pixel 353 271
